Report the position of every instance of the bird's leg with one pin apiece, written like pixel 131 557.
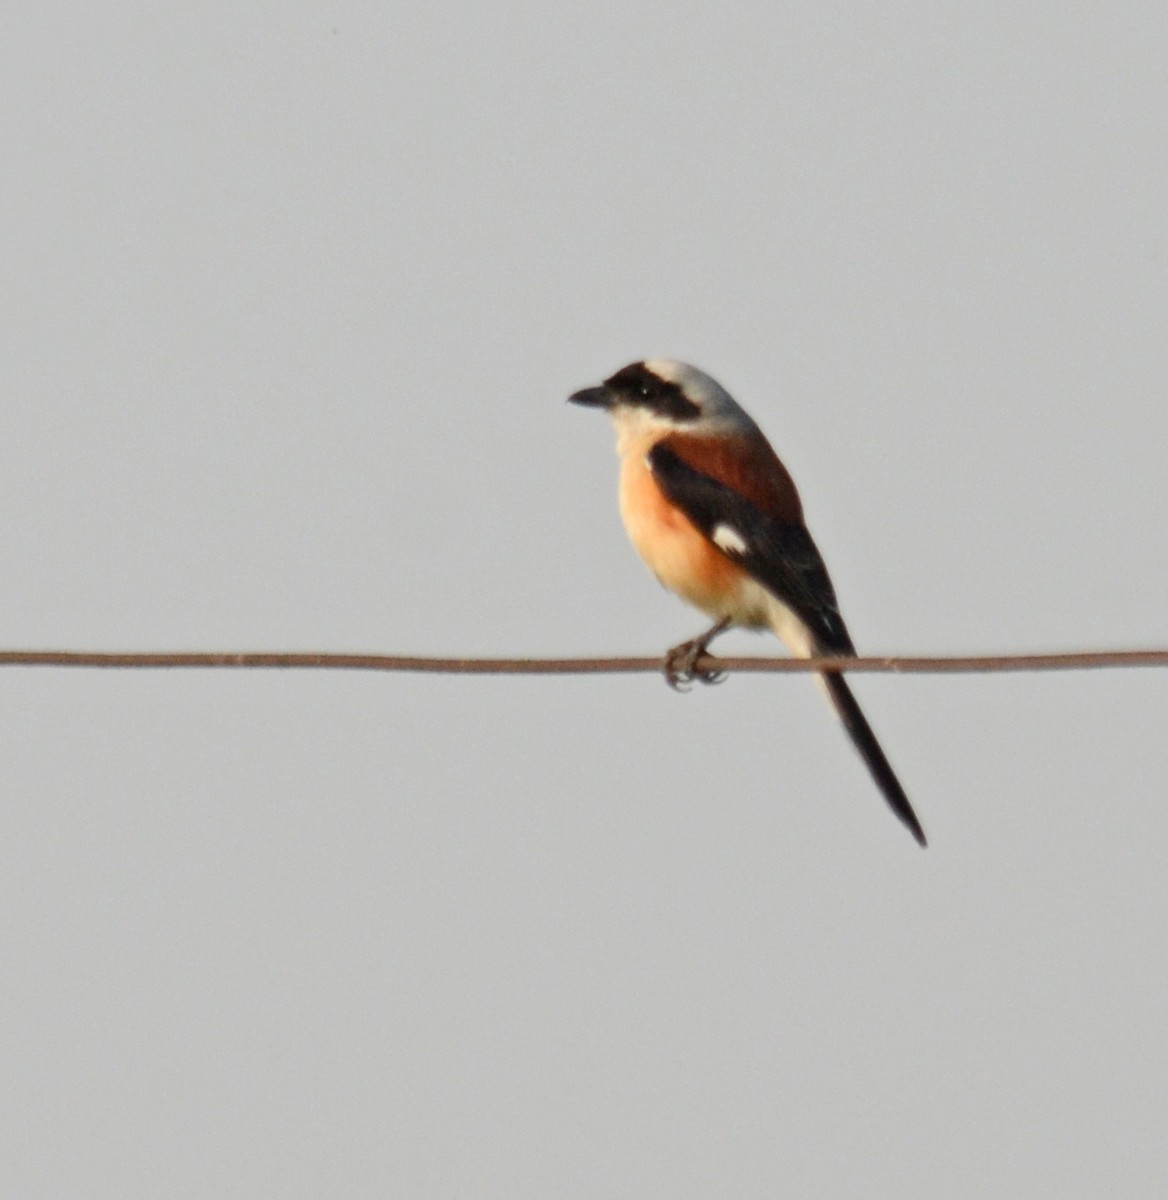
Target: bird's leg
pixel 680 664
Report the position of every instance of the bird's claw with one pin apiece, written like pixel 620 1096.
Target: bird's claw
pixel 681 666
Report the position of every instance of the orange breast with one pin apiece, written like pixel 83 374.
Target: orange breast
pixel 674 549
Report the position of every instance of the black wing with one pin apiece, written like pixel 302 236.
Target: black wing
pixel 781 556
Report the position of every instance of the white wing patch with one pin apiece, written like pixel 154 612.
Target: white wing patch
pixel 727 538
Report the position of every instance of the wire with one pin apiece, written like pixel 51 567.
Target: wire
pixel 895 664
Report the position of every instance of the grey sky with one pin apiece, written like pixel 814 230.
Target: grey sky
pixel 293 296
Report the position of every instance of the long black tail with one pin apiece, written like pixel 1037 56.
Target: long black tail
pixel 865 742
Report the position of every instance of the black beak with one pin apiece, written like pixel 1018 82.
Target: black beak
pixel 593 397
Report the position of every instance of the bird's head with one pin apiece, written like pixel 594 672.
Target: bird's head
pixel 666 395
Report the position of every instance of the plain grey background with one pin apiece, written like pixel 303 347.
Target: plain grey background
pixel 292 298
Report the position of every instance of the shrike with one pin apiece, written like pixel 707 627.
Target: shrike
pixel 715 515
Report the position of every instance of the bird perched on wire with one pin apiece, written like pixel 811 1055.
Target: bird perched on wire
pixel 717 518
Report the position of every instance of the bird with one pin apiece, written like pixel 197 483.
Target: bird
pixel 715 515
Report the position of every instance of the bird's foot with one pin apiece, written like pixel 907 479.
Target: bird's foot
pixel 681 665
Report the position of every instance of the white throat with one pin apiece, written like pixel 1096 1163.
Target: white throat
pixel 635 425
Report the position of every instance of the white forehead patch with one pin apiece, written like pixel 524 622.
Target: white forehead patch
pixel 727 538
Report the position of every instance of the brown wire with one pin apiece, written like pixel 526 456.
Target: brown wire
pixel 968 664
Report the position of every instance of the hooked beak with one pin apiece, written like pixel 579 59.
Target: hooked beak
pixel 593 397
